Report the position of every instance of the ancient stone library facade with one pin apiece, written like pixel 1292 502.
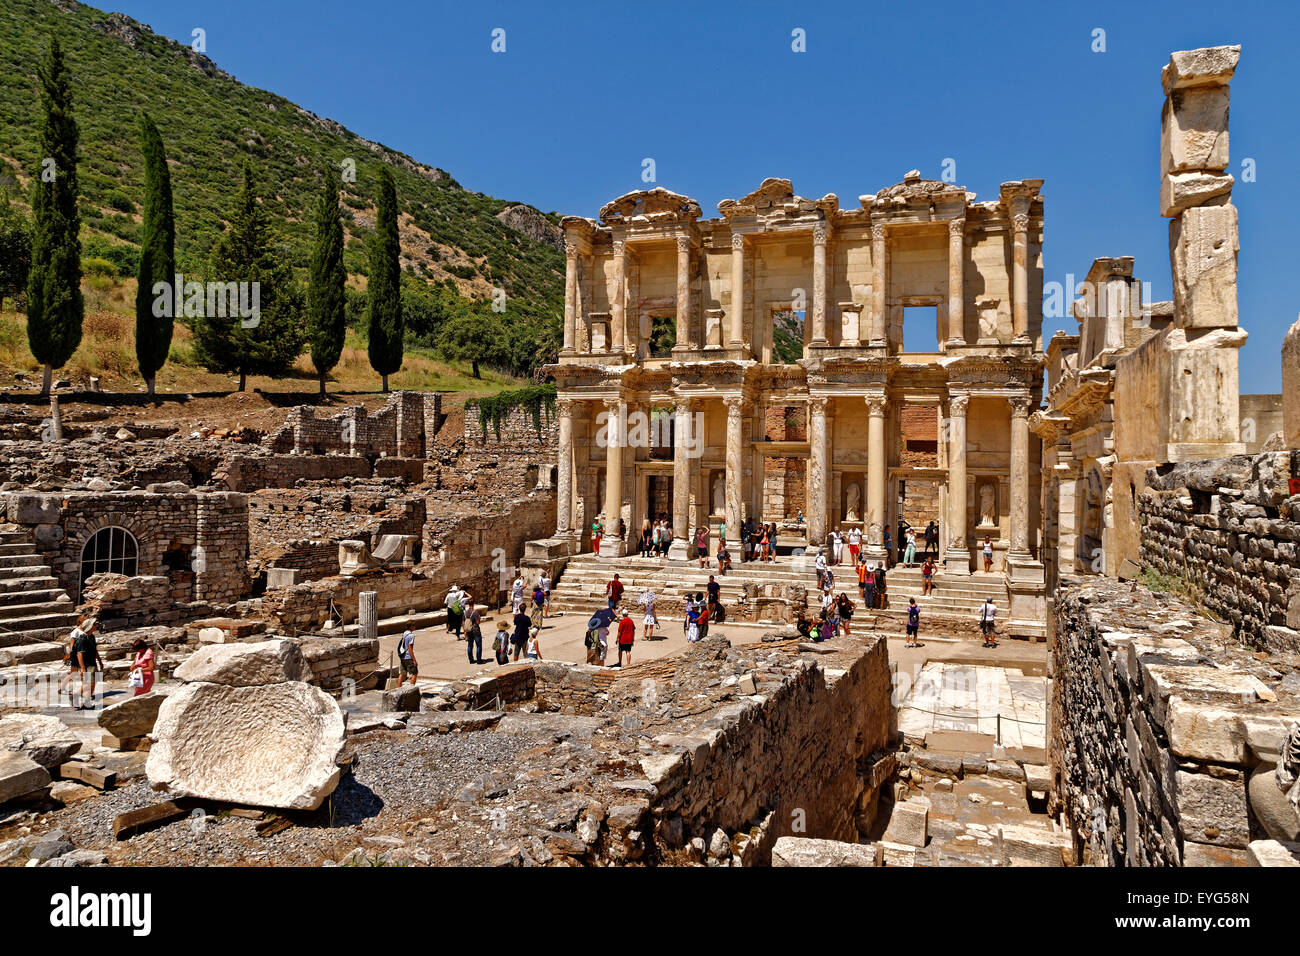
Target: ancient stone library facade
pixel 707 362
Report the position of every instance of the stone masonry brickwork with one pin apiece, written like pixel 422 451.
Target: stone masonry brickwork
pixel 1158 720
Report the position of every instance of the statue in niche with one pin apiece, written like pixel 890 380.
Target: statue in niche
pixel 988 505
pixel 719 495
pixel 853 511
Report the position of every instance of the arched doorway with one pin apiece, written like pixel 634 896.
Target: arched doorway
pixel 110 550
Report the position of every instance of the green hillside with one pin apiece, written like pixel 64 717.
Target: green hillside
pixel 455 248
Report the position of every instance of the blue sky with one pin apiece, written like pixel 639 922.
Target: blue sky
pixel 715 95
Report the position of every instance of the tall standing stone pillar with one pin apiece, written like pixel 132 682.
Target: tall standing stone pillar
pixel 564 469
pixel 611 545
pixel 818 470
pixel 957 553
pixel 735 471
pixel 956 272
pixel 617 305
pixel 820 232
pixel 684 293
pixel 368 616
pixel 570 296
pixel 879 278
pixel 1019 476
pixel 736 338
pixel 681 479
pixel 1020 275
pixel 876 473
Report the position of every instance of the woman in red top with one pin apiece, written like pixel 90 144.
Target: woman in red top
pixel 143 664
pixel 626 635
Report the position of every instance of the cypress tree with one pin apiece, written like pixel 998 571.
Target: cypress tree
pixel 246 254
pixel 54 304
pixel 384 305
pixel 153 332
pixel 325 297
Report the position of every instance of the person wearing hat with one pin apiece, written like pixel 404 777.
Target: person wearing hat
pixel 455 603
pixel 83 654
pixel 821 567
pixel 988 616
pixel 501 643
pixel 626 636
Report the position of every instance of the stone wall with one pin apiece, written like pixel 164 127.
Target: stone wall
pixel 1229 529
pixel 398 430
pixel 1158 723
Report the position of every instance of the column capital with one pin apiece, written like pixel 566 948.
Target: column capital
pixel 818 403
pixel 821 232
pixel 737 242
pixel 619 247
pixel 683 244
pixel 956 227
pixel 571 249
pixel 735 404
pixel 876 405
pixel 612 404
pixel 957 404
pixel 1020 222
pixel 565 406
pixel 1019 406
pixel 878 230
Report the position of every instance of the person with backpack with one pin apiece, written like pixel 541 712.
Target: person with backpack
pixel 407 665
pixel 474 636
pixel 523 625
pixel 614 591
pixel 455 603
pixel 501 643
pixel 83 656
pixel 988 619
pixel 913 623
pixel 882 597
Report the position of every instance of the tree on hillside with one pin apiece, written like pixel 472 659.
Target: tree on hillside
pixel 54 304
pixel 153 327
pixel 267 342
pixel 326 302
pixel 475 336
pixel 15 250
pixel 384 288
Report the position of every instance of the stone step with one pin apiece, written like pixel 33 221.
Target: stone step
pixel 13 609
pixel 56 620
pixel 15 547
pixel 40 584
pixel 36 635
pixel 27 560
pixel 35 653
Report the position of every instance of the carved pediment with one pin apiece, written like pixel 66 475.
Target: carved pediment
pixel 776 198
pixel 654 205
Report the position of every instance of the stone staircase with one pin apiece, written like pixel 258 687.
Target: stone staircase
pixel 581 586
pixel 36 614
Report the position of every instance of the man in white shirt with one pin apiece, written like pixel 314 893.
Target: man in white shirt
pixel 406 658
pixel 821 568
pixel 988 616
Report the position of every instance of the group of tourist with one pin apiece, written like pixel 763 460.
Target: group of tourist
pixel 85 664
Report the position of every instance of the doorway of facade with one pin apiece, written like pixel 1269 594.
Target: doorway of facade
pixel 659 497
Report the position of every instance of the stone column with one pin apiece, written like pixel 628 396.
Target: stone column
pixel 1019 475
pixel 611 545
pixel 570 295
pixel 617 310
pixel 877 466
pixel 681 479
pixel 684 292
pixel 1020 277
pixel 368 616
pixel 735 469
pixel 564 469
pixel 879 277
pixel 737 337
pixel 956 274
pixel 820 232
pixel 818 470
pixel 957 554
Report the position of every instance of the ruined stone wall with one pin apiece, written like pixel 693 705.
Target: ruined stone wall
pixel 284 471
pixel 341 663
pixel 1158 724
pixel 1229 529
pixel 396 430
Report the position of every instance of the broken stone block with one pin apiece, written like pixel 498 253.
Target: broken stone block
pixel 1273 853
pixel 1038 778
pixel 1202 854
pixel 246 665
pixel 1180 191
pixel 46 740
pixel 20 775
pixel 896 854
pixel 404 699
pixel 1211 65
pixel 1211 810
pixel 1203 257
pixel 132 717
pixel 268 745
pixel 908 824
pixel 1206 731
pixel 801 851
pixel 1194 130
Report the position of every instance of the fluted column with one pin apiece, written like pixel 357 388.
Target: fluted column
pixel 611 544
pixel 735 470
pixel 564 469
pixel 1020 277
pixel 570 295
pixel 818 470
pixel 879 277
pixel 617 310
pixel 681 478
pixel 820 232
pixel 737 336
pixel 956 272
pixel 684 292
pixel 957 555
pixel 1019 475
pixel 876 474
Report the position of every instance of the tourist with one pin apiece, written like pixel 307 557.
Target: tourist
pixel 868 579
pixel 747 539
pixel 913 623
pixel 771 541
pixel 473 636
pixel 523 626
pixel 909 554
pixel 828 599
pixel 622 530
pixel 798 516
pixel 820 565
pixel 517 593
pixel 83 655
pixel 927 576
pixel 988 554
pixel 592 643
pixel 539 602
pixel 988 620
pixel 406 658
pixel 844 611
pixel 837 546
pixel 802 624
pixel 882 597
pixel 855 543
pixel 142 669
pixel 614 591
pixel 501 643
pixel 888 545
pixel 665 539
pixel 860 568
pixel 703 617
pixel 702 546
pixel 825 627
pixel 597 530
pixel 714 589
pixel 724 556
pixel 649 621
pixel 544 582
pixel 692 624
pixel 455 604
pixel 626 635
pixel 534 652
pixel 932 538
pixel 764 543
pixel 647 539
